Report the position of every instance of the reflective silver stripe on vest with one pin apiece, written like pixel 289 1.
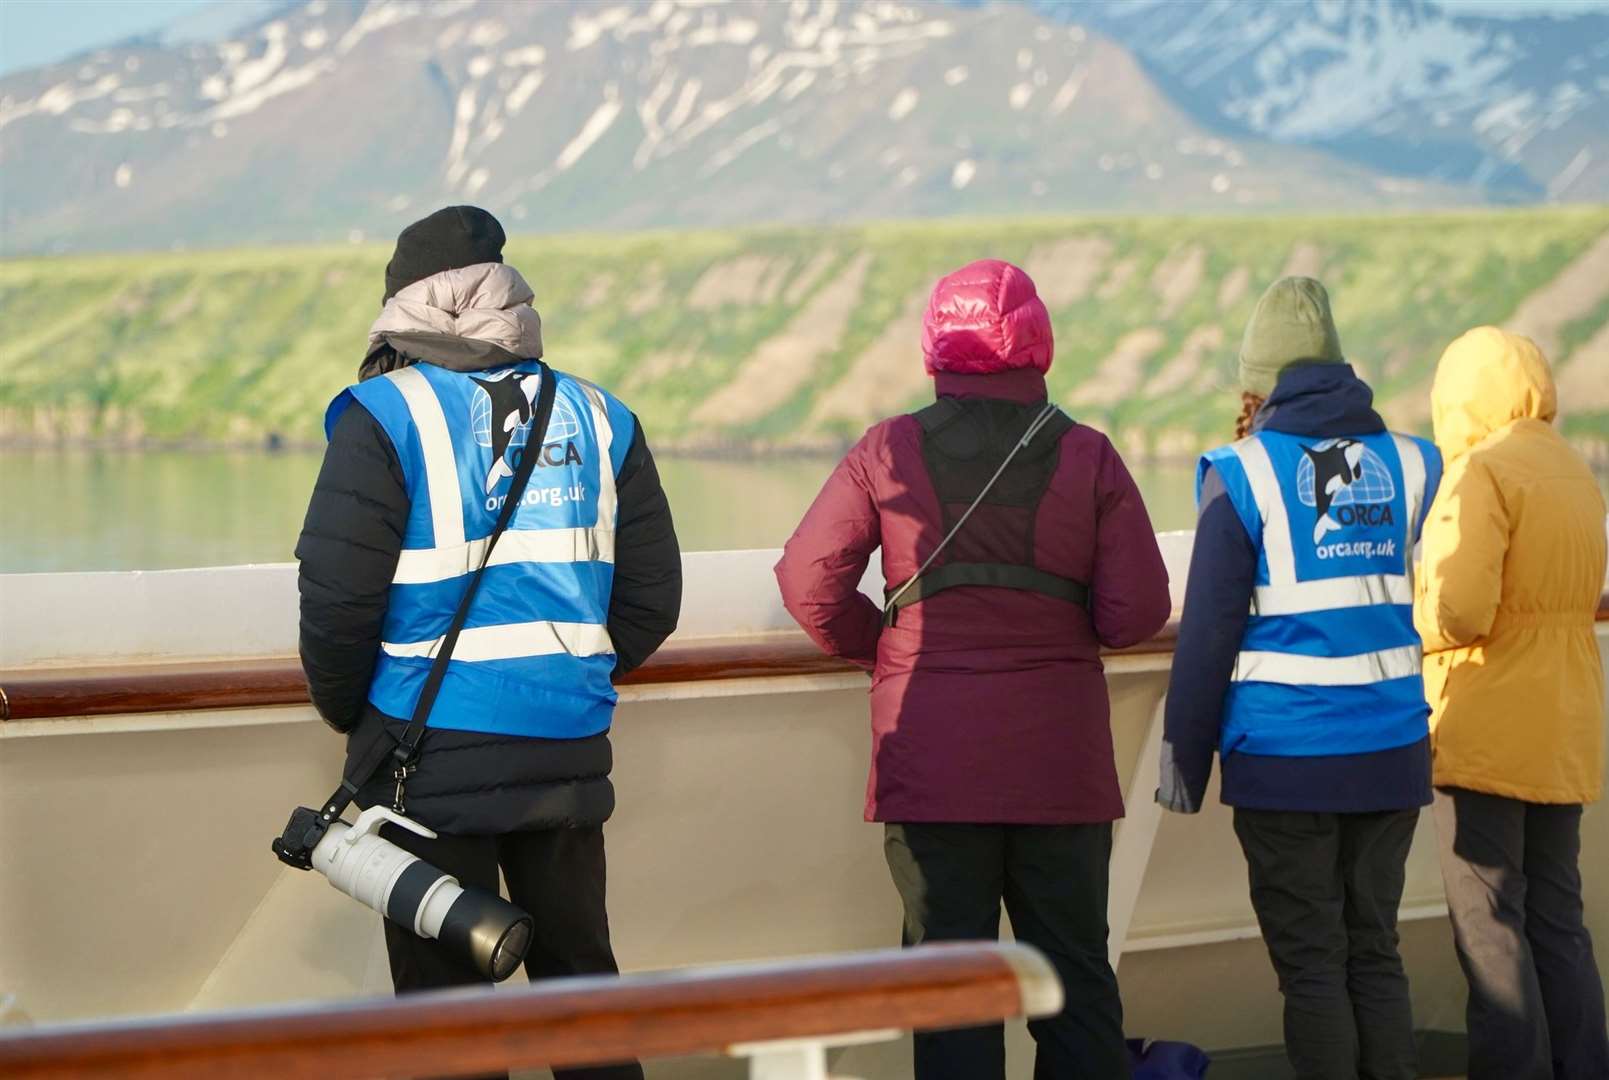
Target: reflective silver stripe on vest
pixel 441 464
pixel 606 471
pixel 1413 483
pixel 1330 594
pixel 1294 670
pixel 453 556
pixel 511 641
pixel 417 566
pixel 1265 489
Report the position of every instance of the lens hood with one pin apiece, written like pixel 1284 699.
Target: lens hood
pixel 490 932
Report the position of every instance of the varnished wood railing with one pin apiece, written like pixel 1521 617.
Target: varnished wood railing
pixel 570 1023
pixel 49 693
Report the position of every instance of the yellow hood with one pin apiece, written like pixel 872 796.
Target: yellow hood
pixel 1486 380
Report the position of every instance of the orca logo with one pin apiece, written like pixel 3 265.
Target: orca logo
pixel 500 417
pixel 1347 483
pixel 506 409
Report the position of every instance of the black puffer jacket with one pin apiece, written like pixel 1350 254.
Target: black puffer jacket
pixel 467 783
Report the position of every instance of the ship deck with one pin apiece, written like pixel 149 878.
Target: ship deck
pixel 159 734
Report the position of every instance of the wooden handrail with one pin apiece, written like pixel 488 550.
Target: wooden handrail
pixel 573 1022
pixel 50 693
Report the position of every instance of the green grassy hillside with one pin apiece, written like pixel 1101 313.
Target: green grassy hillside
pixel 799 338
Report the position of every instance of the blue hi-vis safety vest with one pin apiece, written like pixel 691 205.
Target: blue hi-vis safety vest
pixel 1330 660
pixel 534 657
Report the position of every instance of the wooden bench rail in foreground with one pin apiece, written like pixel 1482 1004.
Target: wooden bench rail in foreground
pixel 573 1022
pixel 50 693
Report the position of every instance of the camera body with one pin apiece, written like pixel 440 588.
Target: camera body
pixel 485 931
pixel 294 847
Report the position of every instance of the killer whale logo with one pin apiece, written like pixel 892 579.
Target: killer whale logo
pixel 1335 467
pixel 1347 483
pixel 510 398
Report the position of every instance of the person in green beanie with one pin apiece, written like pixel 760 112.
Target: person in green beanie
pixel 1299 665
pixel 1292 327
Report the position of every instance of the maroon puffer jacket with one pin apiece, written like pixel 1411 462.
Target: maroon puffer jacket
pixel 988 705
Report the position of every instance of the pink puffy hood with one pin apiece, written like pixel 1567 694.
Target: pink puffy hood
pixel 986 317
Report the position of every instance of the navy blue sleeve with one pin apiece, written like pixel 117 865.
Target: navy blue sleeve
pixel 1217 603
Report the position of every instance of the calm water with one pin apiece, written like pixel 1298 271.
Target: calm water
pixel 148 510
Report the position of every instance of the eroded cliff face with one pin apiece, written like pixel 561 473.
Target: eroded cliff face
pixel 787 341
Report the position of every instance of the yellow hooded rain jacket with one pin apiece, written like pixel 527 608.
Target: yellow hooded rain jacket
pixel 1513 568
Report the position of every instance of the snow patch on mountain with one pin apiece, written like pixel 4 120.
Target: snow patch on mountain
pixel 347 114
pixel 1506 100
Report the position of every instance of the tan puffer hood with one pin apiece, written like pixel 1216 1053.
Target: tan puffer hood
pixel 1488 379
pixel 469 319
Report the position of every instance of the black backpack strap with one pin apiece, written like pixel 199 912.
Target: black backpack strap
pixel 407 745
pixel 1037 423
pixel 992 575
pixel 939 415
pixel 925 582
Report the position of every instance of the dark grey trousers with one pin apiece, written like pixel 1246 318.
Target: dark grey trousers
pixel 1053 880
pixel 1326 888
pixel 1536 1007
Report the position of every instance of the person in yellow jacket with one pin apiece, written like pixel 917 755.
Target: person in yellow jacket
pixel 1512 572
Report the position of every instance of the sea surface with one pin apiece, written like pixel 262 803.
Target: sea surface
pixel 106 509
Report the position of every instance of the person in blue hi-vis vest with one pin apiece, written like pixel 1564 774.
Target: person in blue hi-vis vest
pixel 1298 663
pixel 513 770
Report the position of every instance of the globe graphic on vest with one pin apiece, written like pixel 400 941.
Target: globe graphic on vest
pixel 562 425
pixel 1375 485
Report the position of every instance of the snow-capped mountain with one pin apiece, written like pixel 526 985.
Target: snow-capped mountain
pixel 338 118
pixel 1517 105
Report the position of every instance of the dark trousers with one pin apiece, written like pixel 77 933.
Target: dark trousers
pixel 1053 879
pixel 558 877
pixel 1514 892
pixel 1326 888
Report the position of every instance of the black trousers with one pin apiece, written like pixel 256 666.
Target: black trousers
pixel 1536 1007
pixel 557 875
pixel 1053 879
pixel 1326 888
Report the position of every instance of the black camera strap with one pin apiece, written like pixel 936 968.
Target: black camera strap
pixel 402 754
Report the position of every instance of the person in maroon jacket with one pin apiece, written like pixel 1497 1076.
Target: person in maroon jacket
pixel 991 746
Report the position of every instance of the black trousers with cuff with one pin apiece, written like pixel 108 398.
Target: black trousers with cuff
pixel 1053 879
pixel 1536 1004
pixel 1326 888
pixel 557 876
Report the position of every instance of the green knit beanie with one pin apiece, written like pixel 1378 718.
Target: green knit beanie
pixel 1292 324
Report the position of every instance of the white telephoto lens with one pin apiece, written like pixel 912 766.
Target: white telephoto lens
pixel 443 894
pixel 365 870
pixel 474 924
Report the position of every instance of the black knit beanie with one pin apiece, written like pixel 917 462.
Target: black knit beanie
pixel 450 238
